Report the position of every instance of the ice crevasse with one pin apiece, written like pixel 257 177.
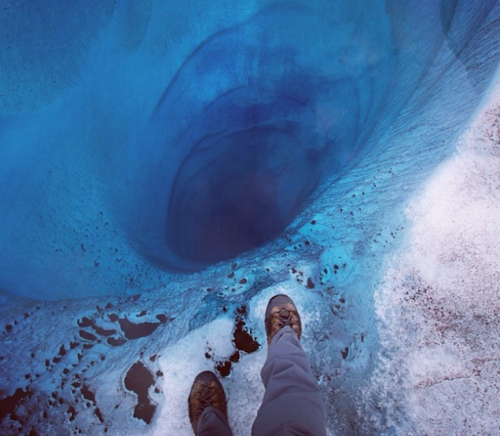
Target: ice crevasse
pixel 166 168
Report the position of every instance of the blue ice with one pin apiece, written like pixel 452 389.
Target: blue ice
pixel 204 154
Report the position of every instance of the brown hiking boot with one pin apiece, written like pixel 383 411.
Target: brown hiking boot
pixel 281 311
pixel 206 391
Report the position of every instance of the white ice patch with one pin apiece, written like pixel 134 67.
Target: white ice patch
pixel 439 305
pixel 181 363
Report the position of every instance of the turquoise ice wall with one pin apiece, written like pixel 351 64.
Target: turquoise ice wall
pixel 139 142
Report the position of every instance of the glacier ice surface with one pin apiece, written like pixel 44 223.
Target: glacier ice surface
pixel 173 167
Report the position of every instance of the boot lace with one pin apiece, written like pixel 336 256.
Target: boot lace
pixel 208 397
pixel 285 317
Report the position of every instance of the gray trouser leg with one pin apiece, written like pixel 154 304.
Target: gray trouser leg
pixel 213 423
pixel 292 403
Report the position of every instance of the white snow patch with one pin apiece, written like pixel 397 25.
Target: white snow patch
pixel 439 304
pixel 181 363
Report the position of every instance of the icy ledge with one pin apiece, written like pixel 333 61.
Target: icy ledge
pixel 439 305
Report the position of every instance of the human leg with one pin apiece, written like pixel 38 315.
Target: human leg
pixel 213 423
pixel 292 402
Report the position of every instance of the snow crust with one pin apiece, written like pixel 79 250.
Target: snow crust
pixel 439 304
